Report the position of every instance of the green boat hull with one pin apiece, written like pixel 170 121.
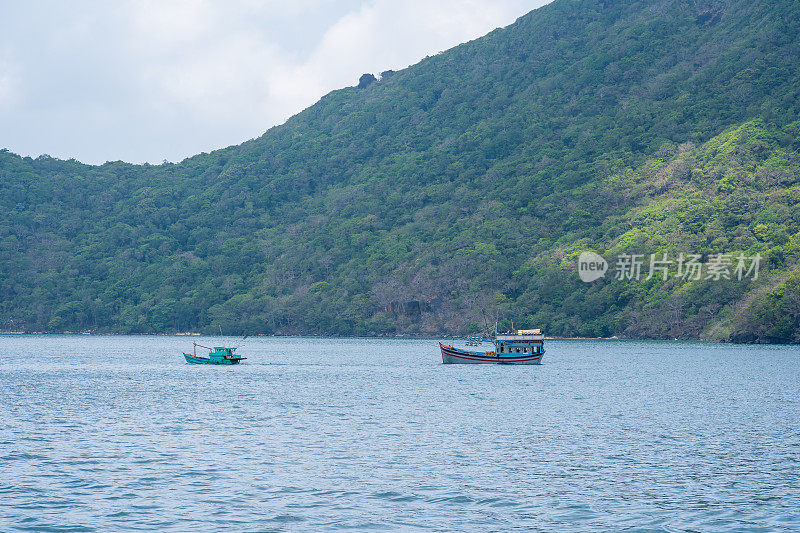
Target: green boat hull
pixel 208 361
pixel 219 355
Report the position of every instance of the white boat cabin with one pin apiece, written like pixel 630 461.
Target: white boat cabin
pixel 522 341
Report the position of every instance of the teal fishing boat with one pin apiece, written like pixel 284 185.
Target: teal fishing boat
pixel 218 355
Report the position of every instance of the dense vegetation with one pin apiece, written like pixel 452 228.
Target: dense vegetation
pixel 460 188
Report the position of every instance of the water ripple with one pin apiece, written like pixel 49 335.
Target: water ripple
pixel 98 434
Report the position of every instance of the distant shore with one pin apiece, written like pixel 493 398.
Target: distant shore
pixel 312 335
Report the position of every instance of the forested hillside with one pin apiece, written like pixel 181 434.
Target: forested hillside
pixel 460 188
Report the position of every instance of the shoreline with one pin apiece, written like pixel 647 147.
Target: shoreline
pixel 408 337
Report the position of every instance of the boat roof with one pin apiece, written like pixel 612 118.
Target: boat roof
pixel 521 335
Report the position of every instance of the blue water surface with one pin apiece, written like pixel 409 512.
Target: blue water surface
pixel 118 433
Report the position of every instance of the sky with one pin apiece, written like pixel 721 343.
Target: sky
pixel 163 80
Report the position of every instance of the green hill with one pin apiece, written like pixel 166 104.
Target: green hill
pixel 464 186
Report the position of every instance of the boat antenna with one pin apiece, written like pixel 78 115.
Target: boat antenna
pixel 220 329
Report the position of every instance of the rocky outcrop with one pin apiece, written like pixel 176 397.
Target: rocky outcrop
pixel 365 80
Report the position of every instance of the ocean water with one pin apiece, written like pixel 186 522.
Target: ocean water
pixel 118 433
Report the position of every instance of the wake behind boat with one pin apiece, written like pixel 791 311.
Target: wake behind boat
pixel 219 355
pixel 524 346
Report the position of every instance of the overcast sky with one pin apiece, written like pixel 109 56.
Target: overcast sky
pixel 154 80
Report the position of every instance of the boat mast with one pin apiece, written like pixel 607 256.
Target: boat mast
pixel 200 345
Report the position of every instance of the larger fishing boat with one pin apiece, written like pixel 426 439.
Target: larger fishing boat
pixel 524 346
pixel 218 355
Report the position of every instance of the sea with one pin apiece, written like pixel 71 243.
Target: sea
pixel 118 433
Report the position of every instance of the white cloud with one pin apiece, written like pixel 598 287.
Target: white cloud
pixel 148 80
pixel 8 93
